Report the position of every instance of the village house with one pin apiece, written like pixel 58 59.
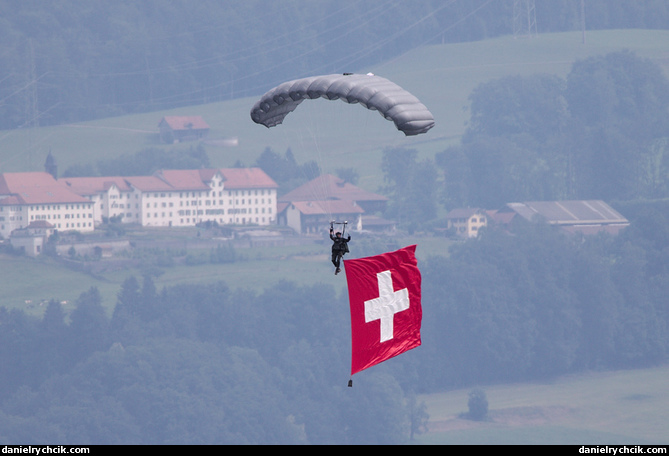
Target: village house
pixel 32 238
pixel 310 208
pixel 174 129
pixel 466 222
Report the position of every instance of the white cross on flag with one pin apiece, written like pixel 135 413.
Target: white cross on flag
pixel 384 293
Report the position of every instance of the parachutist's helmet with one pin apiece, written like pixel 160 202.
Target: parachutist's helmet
pixel 338 233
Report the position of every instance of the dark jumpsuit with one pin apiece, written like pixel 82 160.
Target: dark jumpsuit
pixel 339 248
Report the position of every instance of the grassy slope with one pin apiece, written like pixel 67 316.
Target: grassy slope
pixel 37 279
pixel 622 407
pixel 442 76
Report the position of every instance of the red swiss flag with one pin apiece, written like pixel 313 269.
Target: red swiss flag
pixel 384 293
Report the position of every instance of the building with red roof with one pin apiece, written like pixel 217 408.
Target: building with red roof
pixel 167 198
pixel 35 196
pixel 183 197
pixel 182 128
pixel 310 207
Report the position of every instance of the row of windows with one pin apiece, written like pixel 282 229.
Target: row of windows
pixel 56 207
pixel 207 203
pixel 48 207
pixel 260 192
pixel 187 212
pixel 68 225
pixel 78 225
pixel 473 220
pixel 57 216
pixel 114 196
pixel 188 203
pixel 242 220
pixel 256 192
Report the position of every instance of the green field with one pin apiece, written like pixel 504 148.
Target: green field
pixel 621 408
pixel 442 76
pixel 25 282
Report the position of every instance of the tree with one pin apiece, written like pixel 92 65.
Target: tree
pixel 53 338
pixel 19 339
pixel 285 170
pixel 149 301
pixel 477 404
pixel 619 90
pixel 412 187
pixel 515 105
pixel 89 326
pixel 373 414
pixel 348 175
pixel 418 416
pixel 618 103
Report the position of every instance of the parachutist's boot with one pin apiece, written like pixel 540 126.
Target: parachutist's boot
pixel 337 271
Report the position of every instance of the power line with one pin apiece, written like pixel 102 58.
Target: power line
pixel 524 19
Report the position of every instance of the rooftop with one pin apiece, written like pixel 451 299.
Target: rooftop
pixel 328 187
pixel 575 212
pixel 185 122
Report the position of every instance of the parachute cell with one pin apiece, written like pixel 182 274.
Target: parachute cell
pixel 373 92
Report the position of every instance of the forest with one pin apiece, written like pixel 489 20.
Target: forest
pixel 195 364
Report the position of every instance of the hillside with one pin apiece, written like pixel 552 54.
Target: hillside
pixel 442 76
pixel 258 269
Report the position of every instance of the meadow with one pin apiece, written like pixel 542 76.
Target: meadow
pixel 26 282
pixel 616 408
pixel 332 133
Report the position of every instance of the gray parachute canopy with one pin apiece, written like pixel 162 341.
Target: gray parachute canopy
pixel 373 92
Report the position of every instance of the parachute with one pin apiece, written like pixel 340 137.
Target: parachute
pixel 373 92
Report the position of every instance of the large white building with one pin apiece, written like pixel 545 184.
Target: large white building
pixel 167 198
pixel 35 196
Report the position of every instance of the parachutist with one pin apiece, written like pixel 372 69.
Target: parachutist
pixel 339 248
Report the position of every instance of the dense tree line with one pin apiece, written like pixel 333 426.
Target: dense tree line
pixel 600 133
pixel 66 61
pixel 142 163
pixel 206 364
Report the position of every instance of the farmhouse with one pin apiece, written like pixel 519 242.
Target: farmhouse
pixel 175 129
pixel 310 207
pixel 466 222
